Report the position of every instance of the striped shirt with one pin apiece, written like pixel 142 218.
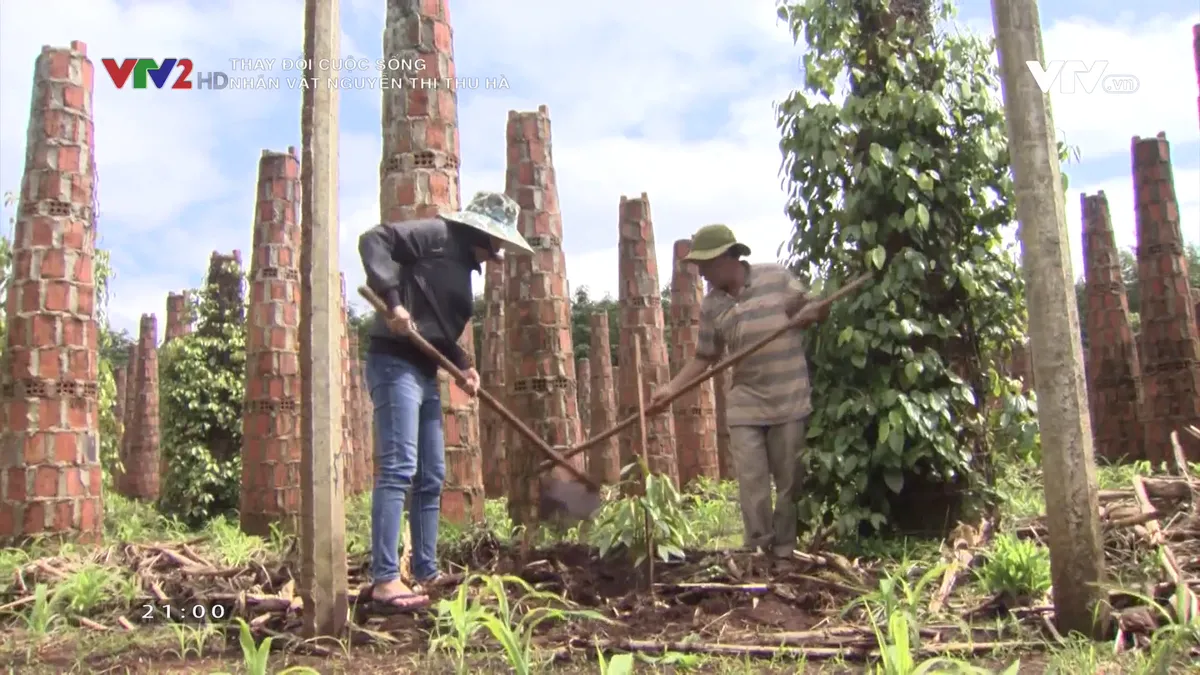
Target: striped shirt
pixel 770 386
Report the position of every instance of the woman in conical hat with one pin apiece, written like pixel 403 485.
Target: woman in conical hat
pixel 422 271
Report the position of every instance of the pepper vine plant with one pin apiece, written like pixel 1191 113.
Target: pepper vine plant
pixel 895 153
pixel 202 379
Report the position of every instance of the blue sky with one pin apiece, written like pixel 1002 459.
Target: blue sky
pixel 672 98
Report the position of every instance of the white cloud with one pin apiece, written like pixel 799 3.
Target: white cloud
pixel 670 98
pixel 1156 50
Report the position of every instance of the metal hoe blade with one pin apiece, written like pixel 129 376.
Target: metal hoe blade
pixel 566 501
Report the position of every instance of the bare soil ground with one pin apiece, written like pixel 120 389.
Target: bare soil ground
pixel 726 611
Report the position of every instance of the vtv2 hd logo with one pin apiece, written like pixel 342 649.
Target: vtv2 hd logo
pixel 147 70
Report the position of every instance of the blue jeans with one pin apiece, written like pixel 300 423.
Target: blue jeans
pixel 410 460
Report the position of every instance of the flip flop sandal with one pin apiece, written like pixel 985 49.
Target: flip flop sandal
pixel 401 603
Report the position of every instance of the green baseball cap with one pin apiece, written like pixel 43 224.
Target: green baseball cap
pixel 712 241
pixel 493 213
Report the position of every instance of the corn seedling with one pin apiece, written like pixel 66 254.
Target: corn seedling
pixel 460 618
pixel 1015 567
pixel 92 587
pixel 41 617
pixel 897 595
pixel 620 664
pixel 256 657
pixel 192 639
pixel 898 652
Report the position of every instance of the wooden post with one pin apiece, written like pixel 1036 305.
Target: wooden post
pixel 1068 466
pixel 323 531
pixel 644 460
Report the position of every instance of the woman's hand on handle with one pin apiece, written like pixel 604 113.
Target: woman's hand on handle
pixel 400 321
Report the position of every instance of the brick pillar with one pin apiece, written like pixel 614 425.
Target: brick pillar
pixel 49 404
pixel 120 379
pixel 225 279
pixel 604 460
pixel 419 169
pixel 129 427
pixel 583 371
pixel 721 385
pixel 540 378
pixel 178 320
pixel 270 491
pixel 695 413
pixel 142 466
pixel 419 175
pixel 462 495
pixel 358 476
pixel 1113 372
pixel 1196 303
pixel 491 376
pixel 640 300
pixel 1170 340
pixel 348 455
pixel 366 459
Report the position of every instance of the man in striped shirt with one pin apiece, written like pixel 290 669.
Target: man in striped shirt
pixel 768 403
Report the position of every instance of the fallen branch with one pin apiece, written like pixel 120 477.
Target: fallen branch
pixel 1181 466
pixel 17 604
pixel 88 623
pixel 837 562
pixel 1166 557
pixel 812 653
pixel 715 587
pixel 1139 519
pixel 835 585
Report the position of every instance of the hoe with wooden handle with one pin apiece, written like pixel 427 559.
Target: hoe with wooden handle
pixel 566 494
pixel 805 316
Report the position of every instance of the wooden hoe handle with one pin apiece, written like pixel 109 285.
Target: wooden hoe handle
pixel 552 456
pixel 720 367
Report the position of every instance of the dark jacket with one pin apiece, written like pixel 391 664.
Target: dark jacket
pixel 397 258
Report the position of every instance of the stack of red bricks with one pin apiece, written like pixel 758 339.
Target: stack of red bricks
pixel 583 373
pixel 419 179
pixel 641 310
pixel 695 412
pixel 225 280
pixel 142 460
pixel 492 429
pixel 349 437
pixel 540 369
pixel 50 481
pixel 1169 337
pixel 271 424
pixel 178 321
pixel 603 460
pixel 1113 370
